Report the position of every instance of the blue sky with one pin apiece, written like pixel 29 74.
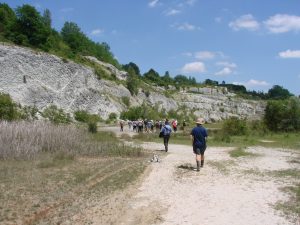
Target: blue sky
pixel 251 42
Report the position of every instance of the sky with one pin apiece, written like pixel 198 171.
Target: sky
pixel 255 43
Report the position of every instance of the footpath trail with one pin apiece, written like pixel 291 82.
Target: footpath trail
pixel 226 191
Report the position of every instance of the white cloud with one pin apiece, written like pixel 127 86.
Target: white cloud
pixel 153 3
pixel 290 54
pixel 225 71
pixel 194 67
pixel 191 2
pixel 226 64
pixel 246 22
pixel 172 12
pixel 281 23
pixel 218 19
pixel 185 27
pixel 187 54
pixel 253 83
pixel 66 10
pixel 204 55
pixel 97 32
pixel 228 68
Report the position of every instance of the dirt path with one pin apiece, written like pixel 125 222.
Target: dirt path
pixel 226 191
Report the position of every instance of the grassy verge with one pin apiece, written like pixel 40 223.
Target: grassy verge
pixel 292 206
pixel 240 152
pixel 271 140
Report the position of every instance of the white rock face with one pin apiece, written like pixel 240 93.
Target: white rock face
pixel 39 79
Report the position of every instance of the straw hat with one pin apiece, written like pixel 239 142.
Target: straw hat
pixel 200 121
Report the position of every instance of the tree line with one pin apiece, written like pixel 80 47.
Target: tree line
pixel 27 27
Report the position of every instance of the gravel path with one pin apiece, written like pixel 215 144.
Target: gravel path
pixel 224 192
pixel 227 191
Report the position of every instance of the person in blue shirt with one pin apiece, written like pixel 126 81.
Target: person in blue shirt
pixel 199 136
pixel 166 131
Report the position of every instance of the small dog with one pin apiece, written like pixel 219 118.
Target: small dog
pixel 155 158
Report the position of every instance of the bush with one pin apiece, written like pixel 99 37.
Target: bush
pixel 56 115
pixel 8 109
pixel 235 126
pixel 283 115
pixel 112 116
pixel 85 117
pixel 126 100
pixel 92 127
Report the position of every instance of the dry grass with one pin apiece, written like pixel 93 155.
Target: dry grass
pixel 24 140
pixel 31 194
pixel 49 173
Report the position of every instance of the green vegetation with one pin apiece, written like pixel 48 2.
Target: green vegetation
pixel 26 26
pixel 85 117
pixel 126 101
pixel 283 115
pixel 239 152
pixel 8 109
pixel 56 115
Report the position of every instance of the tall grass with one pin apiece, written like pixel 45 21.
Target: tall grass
pixel 25 140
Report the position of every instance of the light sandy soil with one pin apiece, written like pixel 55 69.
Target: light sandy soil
pixel 226 191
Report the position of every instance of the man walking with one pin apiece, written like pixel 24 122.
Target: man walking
pixel 199 135
pixel 166 131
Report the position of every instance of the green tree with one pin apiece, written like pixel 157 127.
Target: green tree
pixel 30 24
pixel 167 79
pixel 133 66
pixel 47 18
pixel 278 92
pixel 73 36
pixel 132 82
pixel 283 115
pixel 153 76
pixel 7 19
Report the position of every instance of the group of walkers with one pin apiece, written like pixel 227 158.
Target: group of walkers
pixel 165 128
pixel 148 126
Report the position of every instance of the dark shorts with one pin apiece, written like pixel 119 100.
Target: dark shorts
pixel 199 151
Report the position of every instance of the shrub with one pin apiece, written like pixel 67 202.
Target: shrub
pixel 283 115
pixel 92 127
pixel 85 117
pixel 112 116
pixel 56 115
pixel 126 100
pixel 29 113
pixel 235 126
pixel 8 109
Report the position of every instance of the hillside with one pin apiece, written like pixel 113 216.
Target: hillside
pixel 34 78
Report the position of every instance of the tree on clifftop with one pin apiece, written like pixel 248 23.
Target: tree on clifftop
pixel 30 24
pixel 7 18
pixel 278 92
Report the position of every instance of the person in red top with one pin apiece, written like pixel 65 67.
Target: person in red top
pixel 174 125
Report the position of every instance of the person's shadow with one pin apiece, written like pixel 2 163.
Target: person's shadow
pixel 186 166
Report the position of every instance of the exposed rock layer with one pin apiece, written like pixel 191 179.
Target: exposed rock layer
pixel 39 79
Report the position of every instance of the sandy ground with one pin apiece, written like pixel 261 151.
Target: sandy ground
pixel 226 191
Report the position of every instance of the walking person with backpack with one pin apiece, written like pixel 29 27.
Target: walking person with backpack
pixel 199 136
pixel 166 133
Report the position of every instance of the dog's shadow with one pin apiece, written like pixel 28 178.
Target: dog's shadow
pixel 186 166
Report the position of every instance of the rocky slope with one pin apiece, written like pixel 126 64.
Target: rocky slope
pixel 39 79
